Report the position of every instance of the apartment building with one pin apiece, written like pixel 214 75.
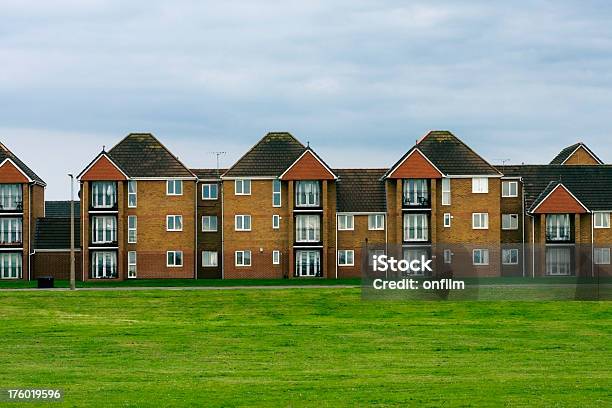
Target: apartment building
pixel 22 198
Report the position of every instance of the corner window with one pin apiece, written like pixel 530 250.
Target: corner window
pixel 276 221
pixel 346 257
pixel 601 256
pixel 174 187
pixel 602 219
pixel 446 191
pixel 132 229
pixel 480 221
pixel 510 221
pixel 275 257
pixel 210 259
pixel 509 188
pixel 174 223
pixel 209 223
pixel 210 191
pixel 510 256
pixel 480 185
pixel 480 257
pixel 242 222
pixel 243 258
pixel 242 187
pixel 174 259
pixel 132 194
pixel 132 272
pixel 376 222
pixel 346 222
pixel 447 220
pixel 276 193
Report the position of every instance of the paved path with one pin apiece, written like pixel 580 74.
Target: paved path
pixel 128 288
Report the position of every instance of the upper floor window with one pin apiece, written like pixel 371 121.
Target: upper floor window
pixel 416 192
pixel 10 230
pixel 446 191
pixel 132 194
pixel 242 187
pixel 174 223
pixel 480 185
pixel 11 197
pixel 376 222
pixel 276 221
pixel 104 229
pixel 416 227
pixel 602 219
pixel 346 222
pixel 209 223
pixel 307 194
pixel 558 227
pixel 242 258
pixel 308 228
pixel 103 194
pixel 242 222
pixel 447 220
pixel 132 229
pixel 174 187
pixel 276 193
pixel 210 191
pixel 510 221
pixel 509 188
pixel 480 220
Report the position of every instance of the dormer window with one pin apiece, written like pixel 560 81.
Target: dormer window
pixel 307 194
pixel 11 197
pixel 103 194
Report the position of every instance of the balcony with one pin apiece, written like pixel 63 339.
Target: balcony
pixel 559 236
pixel 418 201
pixel 16 206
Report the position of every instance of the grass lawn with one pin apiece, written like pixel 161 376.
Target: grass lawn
pixel 303 347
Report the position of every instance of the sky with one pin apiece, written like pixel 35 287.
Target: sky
pixel 359 80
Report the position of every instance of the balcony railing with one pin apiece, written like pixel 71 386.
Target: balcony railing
pixel 16 206
pixel 307 235
pixel 416 201
pixel 558 235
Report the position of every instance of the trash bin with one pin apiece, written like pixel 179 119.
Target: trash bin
pixel 45 282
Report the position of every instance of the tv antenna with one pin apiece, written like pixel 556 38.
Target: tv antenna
pixel 218 154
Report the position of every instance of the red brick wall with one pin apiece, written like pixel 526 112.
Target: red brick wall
pixel 308 168
pixel 102 170
pixel 10 174
pixel 415 166
pixel 56 264
pixel 560 202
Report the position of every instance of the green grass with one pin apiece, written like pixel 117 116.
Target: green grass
pixel 303 347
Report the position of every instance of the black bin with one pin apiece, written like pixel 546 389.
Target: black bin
pixel 45 282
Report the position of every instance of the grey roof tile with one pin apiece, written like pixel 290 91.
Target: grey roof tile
pixel 360 190
pixel 54 233
pixel 566 153
pixel 5 153
pixel 61 209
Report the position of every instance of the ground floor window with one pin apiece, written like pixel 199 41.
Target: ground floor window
pixel 416 254
pixel 275 257
pixel 558 261
pixel 209 259
pixel 510 256
pixel 480 257
pixel 104 264
pixel 346 257
pixel 131 264
pixel 308 263
pixel 243 258
pixel 602 256
pixel 11 265
pixel 174 258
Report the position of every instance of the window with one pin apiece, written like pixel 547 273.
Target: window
pixel 174 187
pixel 376 222
pixel 104 265
pixel 210 259
pixel 242 187
pixel 415 227
pixel 557 227
pixel 510 256
pixel 509 188
pixel 103 194
pixel 558 261
pixel 602 220
pixel 448 256
pixel 243 258
pixel 10 230
pixel 11 197
pixel 480 220
pixel 174 259
pixel 416 192
pixel 415 254
pixel 275 221
pixel 346 257
pixel 210 191
pixel 209 223
pixel 104 229
pixel 174 223
pixel 307 263
pixel 275 257
pixel 276 193
pixel 308 228
pixel 11 266
pixel 131 264
pixel 447 220
pixel 480 257
pixel 307 194
pixel 480 185
pixel 242 223
pixel 132 194
pixel 510 221
pixel 602 256
pixel 446 191
pixel 372 253
pixel 346 222
pixel 132 229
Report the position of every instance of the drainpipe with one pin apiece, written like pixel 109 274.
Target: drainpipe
pixel 222 232
pixel 29 232
pixel 532 246
pixel 592 245
pixel 523 215
pixel 336 260
pixel 195 227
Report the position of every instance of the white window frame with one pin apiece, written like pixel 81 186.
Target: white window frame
pixel 243 253
pixel 424 230
pixel 308 193
pixel 102 219
pixel 211 257
pixel 242 218
pixel 376 222
pixel 447 220
pixel 210 189
pixel 510 184
pixel 132 269
pixel 312 224
pixel 480 185
pixel 511 250
pixel 349 257
pixel 245 184
pixel 276 257
pixel 446 191
pixel 601 256
pixel 134 229
pixel 110 268
pixel 277 182
pixel 134 193
pixel 210 217
pixel 481 217
pixel 11 230
pixel 174 217
pixel 275 221
pixel 172 191
pixel 483 260
pixel 15 265
pixel 108 200
pixel 174 264
pixel 448 256
pixel 510 217
pixel 604 220
pixel 346 226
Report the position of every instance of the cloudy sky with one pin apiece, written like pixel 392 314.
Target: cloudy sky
pixel 360 80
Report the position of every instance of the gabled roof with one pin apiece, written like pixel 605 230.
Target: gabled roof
pixel 5 153
pixel 360 190
pixel 566 153
pixel 559 193
pixel 414 164
pixel 142 155
pixel 54 233
pixel 208 174
pixel 589 184
pixel 61 209
pixel 450 155
pixel 270 157
pixel 309 164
